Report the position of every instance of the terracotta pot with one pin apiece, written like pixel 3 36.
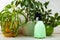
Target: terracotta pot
pixel 7 31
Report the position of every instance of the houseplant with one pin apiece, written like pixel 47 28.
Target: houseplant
pixel 9 24
pixel 49 21
pixel 32 6
pixel 10 20
pixel 26 6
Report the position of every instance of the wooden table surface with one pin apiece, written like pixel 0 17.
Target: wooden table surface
pixel 53 37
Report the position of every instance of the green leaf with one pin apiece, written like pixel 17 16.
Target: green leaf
pixel 33 0
pixel 58 22
pixel 0 16
pixel 56 15
pixel 7 7
pixel 58 18
pixel 50 13
pixel 46 4
pixel 26 3
pixel 17 2
pixel 40 4
pixel 42 9
pixel 52 18
pixel 12 2
pixel 55 24
pixel 49 10
pixel 22 4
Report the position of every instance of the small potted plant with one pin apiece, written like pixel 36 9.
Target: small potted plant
pixel 28 27
pixel 10 20
pixel 51 22
pixel 9 24
pixel 45 15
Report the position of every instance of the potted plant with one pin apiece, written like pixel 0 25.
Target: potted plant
pixel 10 20
pixel 29 25
pixel 9 24
pixel 41 9
pixel 31 8
pixel 51 22
pixel 45 15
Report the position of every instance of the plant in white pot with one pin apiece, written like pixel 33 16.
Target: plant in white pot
pixel 31 8
pixel 28 27
pixel 41 9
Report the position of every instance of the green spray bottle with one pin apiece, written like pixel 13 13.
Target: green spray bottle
pixel 39 30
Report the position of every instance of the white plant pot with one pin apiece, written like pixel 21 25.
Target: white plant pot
pixel 29 28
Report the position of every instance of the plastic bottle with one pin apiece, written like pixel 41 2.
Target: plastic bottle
pixel 39 30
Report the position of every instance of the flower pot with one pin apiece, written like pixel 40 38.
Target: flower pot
pixel 49 30
pixel 7 32
pixel 28 29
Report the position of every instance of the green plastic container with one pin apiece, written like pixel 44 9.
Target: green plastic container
pixel 39 30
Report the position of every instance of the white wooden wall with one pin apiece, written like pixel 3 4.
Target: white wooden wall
pixel 54 5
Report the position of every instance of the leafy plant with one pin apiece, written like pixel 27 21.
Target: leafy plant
pixel 32 6
pixel 28 7
pixel 11 15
